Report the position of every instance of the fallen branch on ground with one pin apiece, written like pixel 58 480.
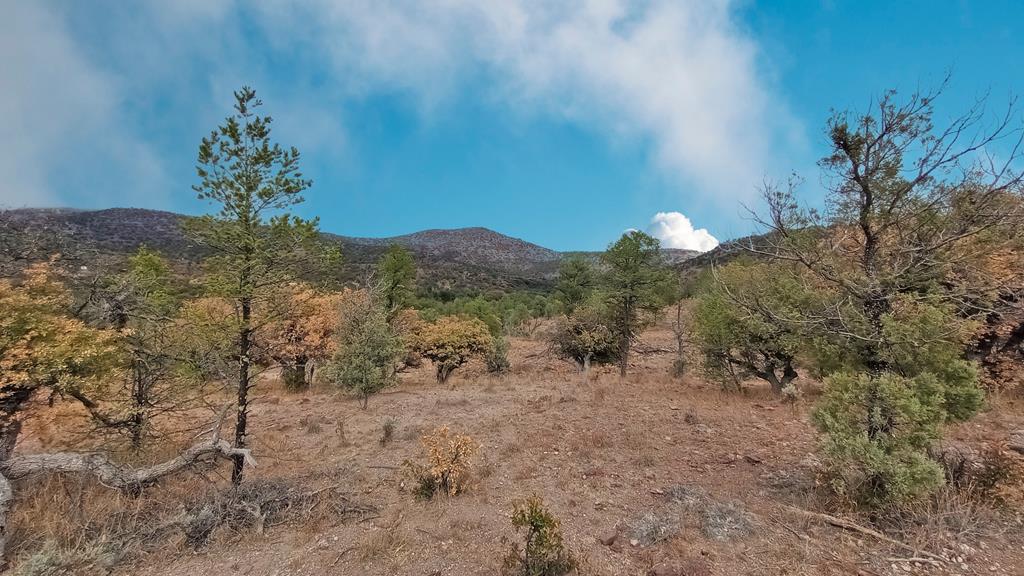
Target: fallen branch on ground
pixel 854 527
pixel 109 473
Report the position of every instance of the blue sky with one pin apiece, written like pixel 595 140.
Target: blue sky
pixel 563 125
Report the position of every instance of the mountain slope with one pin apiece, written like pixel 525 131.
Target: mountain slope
pixel 449 261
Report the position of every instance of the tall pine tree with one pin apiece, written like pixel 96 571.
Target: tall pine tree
pixel 256 245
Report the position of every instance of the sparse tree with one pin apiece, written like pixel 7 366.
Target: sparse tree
pixel 42 347
pixel 911 209
pixel 585 336
pixel 396 279
pixel 576 282
pixel 140 304
pixel 301 333
pixel 451 341
pixel 368 347
pixel 497 356
pixel 742 323
pixel 634 285
pixel 256 246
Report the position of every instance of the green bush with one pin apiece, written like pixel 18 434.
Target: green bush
pixel 450 342
pixel 497 357
pixel 543 552
pixel 368 350
pixel 585 336
pixel 879 455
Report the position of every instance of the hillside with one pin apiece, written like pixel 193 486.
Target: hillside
pixel 452 261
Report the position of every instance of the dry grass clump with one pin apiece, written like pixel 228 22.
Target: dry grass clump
pixel 53 560
pixel 726 521
pixel 449 464
pixel 982 488
pixel 74 525
pixel 717 520
pixel 311 424
pixel 384 543
pixel 652 528
pixel 387 431
pixel 258 505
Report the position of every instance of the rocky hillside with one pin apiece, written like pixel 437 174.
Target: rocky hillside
pixel 453 261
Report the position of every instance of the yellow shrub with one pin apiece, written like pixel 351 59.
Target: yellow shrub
pixel 449 463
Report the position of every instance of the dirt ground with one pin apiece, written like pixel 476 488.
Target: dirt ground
pixel 679 476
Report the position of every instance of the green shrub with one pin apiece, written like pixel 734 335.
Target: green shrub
pixel 879 455
pixel 450 341
pixel 368 350
pixel 585 336
pixel 497 357
pixel 543 552
pixel 388 431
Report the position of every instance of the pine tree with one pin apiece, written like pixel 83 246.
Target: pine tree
pixel 257 246
pixel 634 286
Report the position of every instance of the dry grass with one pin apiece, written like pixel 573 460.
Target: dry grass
pixel 80 526
pixel 385 544
pixel 603 454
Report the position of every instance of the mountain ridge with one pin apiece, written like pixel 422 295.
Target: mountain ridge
pixel 450 260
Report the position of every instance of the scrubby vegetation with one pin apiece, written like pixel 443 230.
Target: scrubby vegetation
pixel 868 318
pixel 448 466
pixel 451 341
pixel 543 552
pixel 368 347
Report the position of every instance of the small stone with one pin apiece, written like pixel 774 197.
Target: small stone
pixel 634 542
pixel 1016 442
pixel 609 537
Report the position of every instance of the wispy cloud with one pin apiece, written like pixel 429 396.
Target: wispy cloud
pixel 58 110
pixel 678 75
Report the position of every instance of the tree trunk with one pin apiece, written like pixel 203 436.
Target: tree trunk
pixel 443 372
pixel 772 378
pixel 140 399
pixel 586 368
pixel 788 373
pixel 12 399
pixel 241 420
pixel 623 356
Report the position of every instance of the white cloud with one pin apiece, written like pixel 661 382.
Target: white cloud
pixel 678 74
pixel 676 231
pixel 56 110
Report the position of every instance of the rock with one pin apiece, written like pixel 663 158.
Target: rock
pixel 609 537
pixel 1016 442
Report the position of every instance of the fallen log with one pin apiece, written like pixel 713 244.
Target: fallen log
pixel 111 474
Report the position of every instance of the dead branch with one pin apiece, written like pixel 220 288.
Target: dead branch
pixel 119 476
pixel 110 474
pixel 854 527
